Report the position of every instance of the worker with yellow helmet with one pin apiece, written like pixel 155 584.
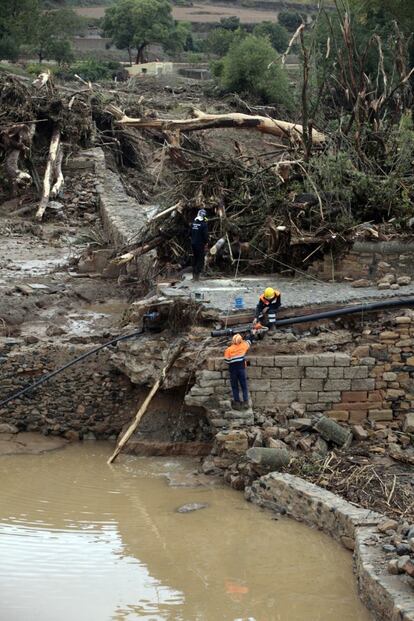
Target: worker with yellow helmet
pixel 266 309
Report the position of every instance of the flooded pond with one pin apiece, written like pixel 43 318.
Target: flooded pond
pixel 83 541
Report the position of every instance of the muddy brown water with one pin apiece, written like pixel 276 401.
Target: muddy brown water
pixel 83 541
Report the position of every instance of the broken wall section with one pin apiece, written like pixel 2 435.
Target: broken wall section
pixel 371 382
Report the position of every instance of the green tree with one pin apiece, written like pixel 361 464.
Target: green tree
pixel 277 34
pixel 218 41
pixel 16 21
pixel 134 24
pixel 50 29
pixel 291 20
pixel 230 23
pixel 251 67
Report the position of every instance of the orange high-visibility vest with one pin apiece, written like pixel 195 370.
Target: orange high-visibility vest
pixel 236 353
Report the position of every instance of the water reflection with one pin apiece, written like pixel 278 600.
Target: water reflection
pixel 79 540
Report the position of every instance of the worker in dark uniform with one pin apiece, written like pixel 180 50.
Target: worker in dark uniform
pixel 267 307
pixel 199 241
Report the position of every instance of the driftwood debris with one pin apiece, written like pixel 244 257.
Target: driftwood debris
pixel 131 429
pixel 16 141
pixel 203 121
pixel 53 170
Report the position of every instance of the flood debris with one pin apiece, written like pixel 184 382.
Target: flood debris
pixel 191 506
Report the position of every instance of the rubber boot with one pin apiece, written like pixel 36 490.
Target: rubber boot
pixel 196 277
pixel 236 405
pixel 245 405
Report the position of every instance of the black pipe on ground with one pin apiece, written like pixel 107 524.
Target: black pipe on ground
pixel 49 376
pixel 339 312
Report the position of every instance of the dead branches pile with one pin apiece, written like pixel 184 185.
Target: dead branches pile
pixel 358 479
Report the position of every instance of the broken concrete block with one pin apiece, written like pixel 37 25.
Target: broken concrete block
pixel 408 425
pixel 359 432
pixel 331 431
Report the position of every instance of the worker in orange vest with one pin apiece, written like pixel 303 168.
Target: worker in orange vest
pixel 235 356
pixel 266 309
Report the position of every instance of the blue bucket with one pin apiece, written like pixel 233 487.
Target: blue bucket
pixel 239 303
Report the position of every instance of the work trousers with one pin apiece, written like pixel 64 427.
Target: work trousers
pixel 238 377
pixel 198 259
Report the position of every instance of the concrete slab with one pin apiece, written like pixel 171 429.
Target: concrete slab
pixel 220 293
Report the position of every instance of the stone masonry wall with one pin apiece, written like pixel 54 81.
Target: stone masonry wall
pixel 371 260
pixel 372 381
pixel 89 398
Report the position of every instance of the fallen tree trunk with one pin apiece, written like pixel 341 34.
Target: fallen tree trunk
pixel 58 175
pixel 202 121
pixel 146 403
pixel 50 168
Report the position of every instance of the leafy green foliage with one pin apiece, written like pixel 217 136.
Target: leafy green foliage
pixel 51 31
pixel 9 48
pixel 93 70
pixel 251 67
pixel 230 23
pixel 134 24
pixel 291 20
pixel 219 40
pixel 277 34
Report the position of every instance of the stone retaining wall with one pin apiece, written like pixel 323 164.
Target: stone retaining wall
pixel 387 596
pixel 374 381
pixel 89 398
pixel 371 260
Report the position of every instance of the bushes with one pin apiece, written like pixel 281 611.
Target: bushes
pixel 277 34
pixel 251 67
pixel 93 70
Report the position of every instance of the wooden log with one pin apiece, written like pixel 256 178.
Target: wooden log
pixel 203 121
pixel 133 426
pixel 58 175
pixel 269 459
pixel 332 432
pixel 50 167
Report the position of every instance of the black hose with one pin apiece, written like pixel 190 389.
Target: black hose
pixel 339 312
pixel 49 376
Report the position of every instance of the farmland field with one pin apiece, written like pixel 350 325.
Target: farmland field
pixel 201 12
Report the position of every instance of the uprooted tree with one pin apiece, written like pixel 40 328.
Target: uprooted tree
pixel 307 193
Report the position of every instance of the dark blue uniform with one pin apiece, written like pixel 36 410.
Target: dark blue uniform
pixel 199 239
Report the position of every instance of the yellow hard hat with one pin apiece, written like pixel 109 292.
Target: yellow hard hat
pixel 269 293
pixel 237 339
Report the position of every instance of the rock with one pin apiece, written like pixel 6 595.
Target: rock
pixel 411 543
pixel 301 424
pixel 383 285
pixel 408 567
pixel 408 425
pixel 298 408
pixel 53 330
pixel 403 281
pixel 191 506
pixel 276 444
pixel 234 441
pixel 394 286
pixel 6 428
pixel 359 432
pixel 387 547
pixel 389 278
pixel 401 563
pixel 348 542
pixel 321 447
pixel 410 533
pixel 403 549
pixel 393 567
pixel 362 282
pixel 89 436
pixel 72 436
pixel 387 524
pixel 305 444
